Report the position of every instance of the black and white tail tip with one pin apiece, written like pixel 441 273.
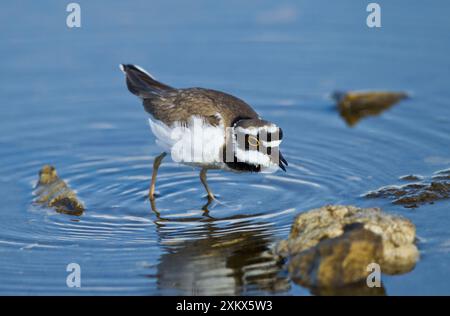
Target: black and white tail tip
pixel 142 83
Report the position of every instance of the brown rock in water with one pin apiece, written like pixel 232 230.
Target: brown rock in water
pixel 354 105
pixel 414 194
pixel 442 175
pixel 330 247
pixel 337 262
pixel 53 192
pixel 359 288
pixel 411 177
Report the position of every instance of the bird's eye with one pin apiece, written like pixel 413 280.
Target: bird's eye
pixel 253 141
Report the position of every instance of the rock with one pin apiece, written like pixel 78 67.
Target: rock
pixel 359 288
pixel 411 177
pixel 339 261
pixel 331 246
pixel 414 194
pixel 53 192
pixel 354 105
pixel 442 175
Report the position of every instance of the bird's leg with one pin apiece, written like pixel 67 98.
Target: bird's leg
pixel 205 184
pixel 154 209
pixel 156 164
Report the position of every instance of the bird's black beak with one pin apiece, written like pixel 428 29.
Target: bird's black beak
pixel 282 162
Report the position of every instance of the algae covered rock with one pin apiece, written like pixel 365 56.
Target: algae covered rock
pixel 332 246
pixel 355 105
pixel 53 192
pixel 412 195
pixel 339 261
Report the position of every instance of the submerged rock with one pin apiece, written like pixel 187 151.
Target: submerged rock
pixel 339 261
pixel 330 247
pixel 358 288
pixel 354 105
pixel 53 192
pixel 412 195
pixel 442 175
pixel 411 177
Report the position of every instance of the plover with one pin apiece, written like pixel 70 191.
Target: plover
pixel 205 128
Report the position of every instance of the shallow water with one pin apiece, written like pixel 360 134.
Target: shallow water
pixel 64 102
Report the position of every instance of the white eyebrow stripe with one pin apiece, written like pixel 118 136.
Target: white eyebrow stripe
pixel 274 143
pixel 270 129
pixel 255 130
pixel 248 131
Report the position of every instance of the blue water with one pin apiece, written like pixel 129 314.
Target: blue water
pixel 64 102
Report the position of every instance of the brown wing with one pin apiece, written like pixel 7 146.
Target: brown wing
pixel 181 104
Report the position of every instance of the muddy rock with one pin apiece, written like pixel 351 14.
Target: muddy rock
pixel 53 192
pixel 411 177
pixel 338 261
pixel 412 195
pixel 442 175
pixel 331 247
pixel 355 105
pixel 355 289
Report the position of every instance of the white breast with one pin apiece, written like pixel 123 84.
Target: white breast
pixel 195 143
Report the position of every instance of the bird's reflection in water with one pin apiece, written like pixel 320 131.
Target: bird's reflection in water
pixel 226 256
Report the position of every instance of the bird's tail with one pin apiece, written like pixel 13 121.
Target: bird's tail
pixel 142 84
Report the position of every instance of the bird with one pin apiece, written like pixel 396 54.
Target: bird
pixel 205 128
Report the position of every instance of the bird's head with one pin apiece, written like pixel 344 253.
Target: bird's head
pixel 256 142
